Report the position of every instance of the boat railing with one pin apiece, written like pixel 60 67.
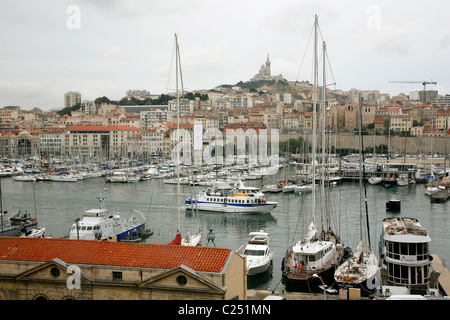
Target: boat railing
pixel 302 271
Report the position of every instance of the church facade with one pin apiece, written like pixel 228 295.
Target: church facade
pixel 265 73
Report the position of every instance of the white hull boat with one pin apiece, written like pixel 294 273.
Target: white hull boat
pixel 25 178
pixel 375 180
pixel 99 224
pixel 257 253
pixel 223 198
pixel 429 191
pixel 34 233
pixel 63 178
pixel 118 176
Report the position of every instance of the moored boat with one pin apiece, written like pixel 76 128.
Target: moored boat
pixel 404 254
pixel 99 224
pixel 224 198
pixel 257 252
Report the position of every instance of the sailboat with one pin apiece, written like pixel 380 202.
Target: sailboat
pixel 361 270
pixel 310 263
pixel 403 179
pixel 36 232
pixel 190 239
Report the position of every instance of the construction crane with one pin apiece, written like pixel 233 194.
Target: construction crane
pixel 424 87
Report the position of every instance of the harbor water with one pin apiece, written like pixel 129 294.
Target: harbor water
pixel 58 204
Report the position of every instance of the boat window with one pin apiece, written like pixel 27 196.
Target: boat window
pixel 83 228
pixel 250 252
pixel 89 228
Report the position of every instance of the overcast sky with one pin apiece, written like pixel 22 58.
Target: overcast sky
pixel 105 47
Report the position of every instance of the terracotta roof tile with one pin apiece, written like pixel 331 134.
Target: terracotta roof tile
pixel 142 255
pixel 103 128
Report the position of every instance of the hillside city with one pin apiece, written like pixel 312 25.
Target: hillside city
pixel 141 122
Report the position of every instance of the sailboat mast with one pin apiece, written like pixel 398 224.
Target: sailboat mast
pixel 178 130
pixel 360 169
pixel 314 121
pixel 362 179
pixel 324 46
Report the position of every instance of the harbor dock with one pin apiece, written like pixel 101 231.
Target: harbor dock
pixel 437 264
pixel 444 278
pixel 441 196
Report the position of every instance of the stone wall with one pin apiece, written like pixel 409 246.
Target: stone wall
pixel 414 145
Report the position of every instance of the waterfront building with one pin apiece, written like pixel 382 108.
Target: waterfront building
pixel 50 143
pixel 156 142
pixel 69 269
pixel 106 141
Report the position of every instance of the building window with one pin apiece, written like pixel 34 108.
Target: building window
pixel 117 275
pixel 55 272
pixel 181 280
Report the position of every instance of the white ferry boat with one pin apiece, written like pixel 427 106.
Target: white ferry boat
pixel 224 198
pixel 99 224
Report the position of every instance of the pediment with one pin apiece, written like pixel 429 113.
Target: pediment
pixel 55 270
pixel 182 278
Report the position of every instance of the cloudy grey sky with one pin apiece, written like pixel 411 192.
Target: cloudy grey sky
pixel 105 47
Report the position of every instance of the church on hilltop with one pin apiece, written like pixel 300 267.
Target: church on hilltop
pixel 265 73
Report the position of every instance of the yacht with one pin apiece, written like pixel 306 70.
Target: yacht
pixel 402 180
pixel 375 180
pixel 224 198
pixel 12 226
pixel 25 178
pixel 257 252
pixel 118 176
pixel 430 190
pixel 99 224
pixel 63 178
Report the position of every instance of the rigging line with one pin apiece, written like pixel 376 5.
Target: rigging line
pixel 328 59
pixel 170 67
pixel 331 70
pixel 302 198
pixel 304 55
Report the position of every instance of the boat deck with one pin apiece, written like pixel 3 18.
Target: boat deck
pixel 444 278
pixel 441 196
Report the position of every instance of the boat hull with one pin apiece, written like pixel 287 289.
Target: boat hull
pixel 121 236
pixel 231 207
pixel 310 284
pixel 256 270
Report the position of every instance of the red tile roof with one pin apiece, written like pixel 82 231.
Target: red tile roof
pixel 143 255
pixel 103 128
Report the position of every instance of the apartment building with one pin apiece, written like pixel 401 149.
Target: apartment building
pixel 50 143
pixel 207 122
pixel 157 114
pixel 401 123
pixel 106 141
pixel 157 142
pixel 71 98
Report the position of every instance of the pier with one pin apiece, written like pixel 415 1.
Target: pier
pixel 436 264
pixel 441 196
pixel 444 278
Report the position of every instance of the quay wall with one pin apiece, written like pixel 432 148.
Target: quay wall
pixel 414 145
